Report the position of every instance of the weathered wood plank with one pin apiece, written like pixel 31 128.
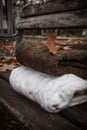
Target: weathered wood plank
pixel 54 6
pixel 77 115
pixel 37 56
pixel 5 75
pixel 8 121
pixel 30 113
pixel 65 19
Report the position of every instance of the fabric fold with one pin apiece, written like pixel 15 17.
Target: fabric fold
pixel 51 92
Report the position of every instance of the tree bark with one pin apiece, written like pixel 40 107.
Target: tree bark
pixel 37 56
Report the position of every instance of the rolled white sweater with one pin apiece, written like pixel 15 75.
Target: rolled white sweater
pixel 52 93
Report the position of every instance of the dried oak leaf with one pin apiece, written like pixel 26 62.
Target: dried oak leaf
pixel 6 67
pixel 8 63
pixel 50 43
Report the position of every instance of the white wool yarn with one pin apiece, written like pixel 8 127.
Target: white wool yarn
pixel 52 93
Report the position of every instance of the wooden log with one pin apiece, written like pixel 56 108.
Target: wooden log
pixel 65 19
pixel 36 56
pixel 54 6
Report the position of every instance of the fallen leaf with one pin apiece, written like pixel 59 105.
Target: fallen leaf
pixel 51 37
pixel 50 43
pixel 6 67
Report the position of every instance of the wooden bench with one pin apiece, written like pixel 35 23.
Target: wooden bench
pixel 33 117
pixel 53 14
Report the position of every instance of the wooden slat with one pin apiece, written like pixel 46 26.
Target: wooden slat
pixel 54 6
pixel 77 115
pixel 30 113
pixel 9 122
pixel 5 75
pixel 66 19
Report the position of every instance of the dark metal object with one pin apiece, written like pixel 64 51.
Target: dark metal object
pixel 1 17
pixel 9 32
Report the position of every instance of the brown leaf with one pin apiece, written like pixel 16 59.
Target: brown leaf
pixel 6 67
pixel 51 37
pixel 50 43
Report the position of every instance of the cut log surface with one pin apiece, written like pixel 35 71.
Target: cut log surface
pixel 36 55
pixel 54 6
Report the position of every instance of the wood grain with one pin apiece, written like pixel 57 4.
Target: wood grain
pixel 37 56
pixel 54 6
pixel 60 20
pixel 29 113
